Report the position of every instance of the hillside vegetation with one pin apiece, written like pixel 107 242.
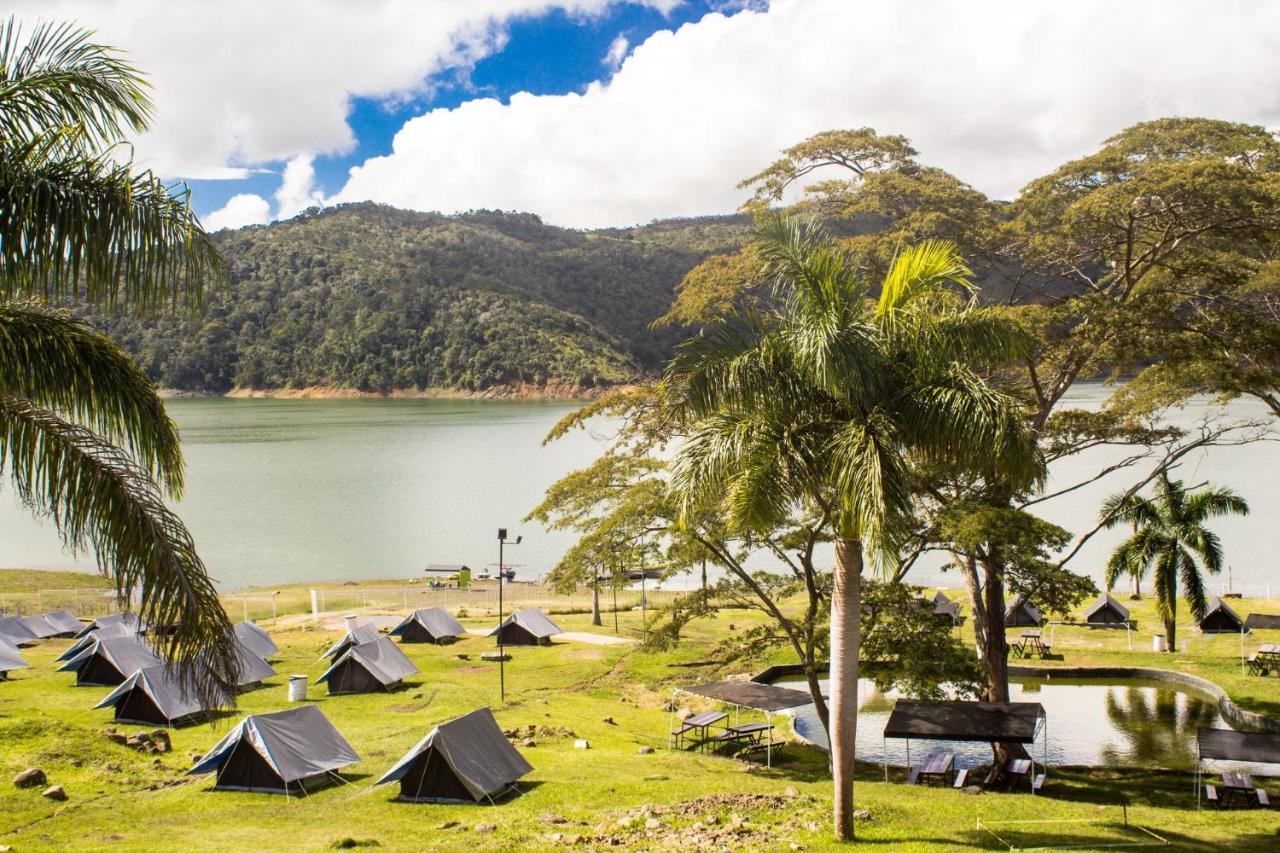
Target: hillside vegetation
pixel 372 298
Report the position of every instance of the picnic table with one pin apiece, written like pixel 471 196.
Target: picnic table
pixel 1266 660
pixel 1018 768
pixel 745 739
pixel 699 723
pixel 1031 643
pixel 936 765
pixel 1237 787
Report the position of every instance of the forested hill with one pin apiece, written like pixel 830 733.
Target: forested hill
pixel 373 298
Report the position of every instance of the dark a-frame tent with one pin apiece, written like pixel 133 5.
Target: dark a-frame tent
pixel 526 628
pixel 1106 612
pixel 431 625
pixel 152 696
pixel 467 759
pixel 256 640
pixel 109 662
pixel 368 668
pixel 10 659
pixel 1219 618
pixel 1021 614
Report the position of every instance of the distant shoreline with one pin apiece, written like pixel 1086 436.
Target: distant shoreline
pixel 520 391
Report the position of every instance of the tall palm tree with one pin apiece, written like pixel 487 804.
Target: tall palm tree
pixel 84 438
pixel 1170 539
pixel 824 402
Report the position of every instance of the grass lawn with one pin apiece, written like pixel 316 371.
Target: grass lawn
pixel 609 794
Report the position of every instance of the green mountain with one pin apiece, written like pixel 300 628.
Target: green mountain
pixel 372 298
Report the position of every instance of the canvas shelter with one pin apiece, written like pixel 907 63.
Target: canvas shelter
pixel 13 629
pixel 39 626
pixel 128 619
pixel 1231 745
pixel 64 623
pixel 108 662
pixel 368 668
pixel 467 759
pixel 257 640
pixel 291 751
pixel 1106 612
pixel 1021 614
pixel 10 659
pixel 153 696
pixel 115 629
pixel 253 669
pixel 1219 618
pixel 355 635
pixel 526 628
pixel 431 625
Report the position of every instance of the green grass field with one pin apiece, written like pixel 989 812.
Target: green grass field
pixel 608 795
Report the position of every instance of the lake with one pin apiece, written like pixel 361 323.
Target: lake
pixel 296 490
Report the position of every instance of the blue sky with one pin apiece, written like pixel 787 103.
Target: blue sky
pixel 546 54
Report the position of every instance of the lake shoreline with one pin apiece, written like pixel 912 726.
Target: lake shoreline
pixel 560 392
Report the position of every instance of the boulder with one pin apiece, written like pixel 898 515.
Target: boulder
pixel 115 737
pixel 484 828
pixel 54 792
pixel 645 750
pixel 973 789
pixel 32 777
pixel 161 739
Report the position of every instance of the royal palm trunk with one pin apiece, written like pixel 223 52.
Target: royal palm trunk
pixel 846 635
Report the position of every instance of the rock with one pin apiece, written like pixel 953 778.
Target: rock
pixel 195 757
pixel 161 739
pixel 32 777
pixel 711 819
pixel 657 777
pixel 645 750
pixel 155 760
pixel 793 846
pixel 529 743
pixel 550 817
pixel 54 792
pixel 138 742
pixel 112 767
pixel 684 714
pixel 790 791
pixel 652 823
pixel 484 828
pixel 116 737
pixel 553 836
pixel 626 822
pixel 861 814
pixel 418 695
pixel 608 721
pixel 449 824
pixel 582 743
pixel 973 789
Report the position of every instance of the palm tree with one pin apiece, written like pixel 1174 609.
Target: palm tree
pixel 84 438
pixel 1170 538
pixel 824 402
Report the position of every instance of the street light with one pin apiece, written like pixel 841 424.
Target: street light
pixel 502 655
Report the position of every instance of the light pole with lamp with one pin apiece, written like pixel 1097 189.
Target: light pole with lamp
pixel 502 655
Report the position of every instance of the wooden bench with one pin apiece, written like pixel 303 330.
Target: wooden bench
pixel 769 749
pixel 1038 783
pixel 1256 666
pixel 1211 794
pixel 1263 799
pixel 960 778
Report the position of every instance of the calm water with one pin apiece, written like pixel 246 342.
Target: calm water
pixel 1132 724
pixel 292 490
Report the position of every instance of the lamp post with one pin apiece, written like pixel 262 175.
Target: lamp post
pixel 502 655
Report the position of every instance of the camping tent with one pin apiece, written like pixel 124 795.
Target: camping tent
pixel 10 659
pixel 13 629
pixel 108 662
pixel 128 619
pixel 368 668
pixel 1106 612
pixel 258 640
pixel 1022 615
pixel 64 623
pixel 253 669
pixel 465 759
pixel 39 626
pixel 432 625
pixel 115 629
pixel 1220 619
pixel 153 696
pixel 293 750
pixel 526 628
pixel 354 636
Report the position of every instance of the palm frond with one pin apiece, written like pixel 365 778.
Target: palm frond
pixel 65 365
pixel 874 484
pixel 1192 584
pixel 1213 503
pixel 99 500
pixel 1129 509
pixel 921 271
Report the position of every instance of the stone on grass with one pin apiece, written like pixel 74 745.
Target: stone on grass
pixel 652 823
pixel 32 777
pixel 581 743
pixel 973 789
pixel 161 739
pixel 529 743
pixel 484 828
pixel 608 721
pixel 645 750
pixel 551 817
pixel 449 824
pixel 115 737
pixel 790 791
pixel 54 792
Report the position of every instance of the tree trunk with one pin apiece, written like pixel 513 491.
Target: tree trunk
pixel 846 612
pixel 1137 590
pixel 595 604
pixel 994 647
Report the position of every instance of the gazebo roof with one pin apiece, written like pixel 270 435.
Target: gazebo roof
pixel 752 694
pixel 1003 722
pixel 1231 745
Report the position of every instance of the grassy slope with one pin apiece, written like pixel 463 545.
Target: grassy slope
pixel 120 799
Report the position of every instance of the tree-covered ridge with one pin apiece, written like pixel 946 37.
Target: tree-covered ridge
pixel 372 298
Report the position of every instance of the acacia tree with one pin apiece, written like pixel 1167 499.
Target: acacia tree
pixel 821 402
pixel 84 438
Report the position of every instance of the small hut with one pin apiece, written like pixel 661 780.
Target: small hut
pixel 368 668
pixel 1106 612
pixel 1219 618
pixel 464 760
pixel 109 662
pixel 526 628
pixel 355 635
pixel 258 640
pixel 432 625
pixel 1021 614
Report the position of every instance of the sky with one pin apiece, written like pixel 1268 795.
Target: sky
pixel 594 113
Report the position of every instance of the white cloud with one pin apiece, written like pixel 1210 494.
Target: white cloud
pixel 239 211
pixel 297 188
pixel 997 92
pixel 617 53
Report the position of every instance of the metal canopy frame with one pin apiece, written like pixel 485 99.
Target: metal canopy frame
pixel 768 716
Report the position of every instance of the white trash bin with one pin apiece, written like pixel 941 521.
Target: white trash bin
pixel 297 688
pixel 1157 643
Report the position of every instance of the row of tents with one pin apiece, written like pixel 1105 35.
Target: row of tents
pixel 435 625
pixel 467 759
pixel 1106 612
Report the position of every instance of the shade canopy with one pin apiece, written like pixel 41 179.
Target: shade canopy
pixel 1262 622
pixel 1231 745
pixel 115 629
pixel 354 636
pixel 535 622
pixel 1104 607
pixel 295 744
pixel 992 722
pixel 152 695
pixel 385 663
pixel 257 640
pixel 436 622
pixel 468 753
pixel 752 694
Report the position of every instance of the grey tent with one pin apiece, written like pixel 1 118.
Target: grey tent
pixel 253 669
pixel 115 629
pixel 10 659
pixel 1022 615
pixel 941 606
pixel 13 629
pixel 64 622
pixel 258 640
pixel 153 696
pixel 1221 619
pixel 526 628
pixel 368 668
pixel 109 662
pixel 465 759
pixel 128 619
pixel 432 625
pixel 287 751
pixel 39 627
pixel 1106 612
pixel 354 636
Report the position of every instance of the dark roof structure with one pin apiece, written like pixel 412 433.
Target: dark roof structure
pixel 1106 611
pixel 1219 618
pixel 465 759
pixel 64 622
pixel 129 619
pixel 526 627
pixel 368 667
pixel 291 750
pixel 115 629
pixel 752 694
pixel 153 696
pixel 354 636
pixel 11 659
pixel 991 722
pixel 432 625
pixel 446 568
pixel 1022 614
pixel 258 640
pixel 1231 745
pixel 1262 622
pixel 108 662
